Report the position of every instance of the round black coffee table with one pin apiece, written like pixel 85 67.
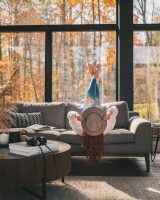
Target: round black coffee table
pixel 22 171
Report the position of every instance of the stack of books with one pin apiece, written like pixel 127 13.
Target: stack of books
pixel 22 148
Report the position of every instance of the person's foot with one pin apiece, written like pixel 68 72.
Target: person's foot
pixel 97 70
pixel 91 69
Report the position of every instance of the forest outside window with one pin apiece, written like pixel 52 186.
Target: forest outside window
pixel 43 12
pixel 146 11
pixel 146 58
pixel 22 65
pixel 147 74
pixel 72 51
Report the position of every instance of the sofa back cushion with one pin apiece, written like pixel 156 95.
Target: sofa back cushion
pixel 123 116
pixel 53 114
pixel 22 120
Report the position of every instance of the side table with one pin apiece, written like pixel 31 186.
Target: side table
pixel 155 135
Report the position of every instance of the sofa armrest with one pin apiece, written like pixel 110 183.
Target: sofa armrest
pixel 142 129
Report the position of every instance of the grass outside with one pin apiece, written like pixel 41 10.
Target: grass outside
pixel 148 111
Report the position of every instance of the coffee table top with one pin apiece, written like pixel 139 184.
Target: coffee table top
pixel 5 153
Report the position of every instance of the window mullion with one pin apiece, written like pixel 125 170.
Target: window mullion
pixel 125 54
pixel 48 67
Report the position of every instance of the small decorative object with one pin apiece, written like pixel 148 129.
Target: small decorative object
pixel 4 138
pixel 14 135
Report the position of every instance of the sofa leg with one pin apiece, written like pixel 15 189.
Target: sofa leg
pixel 147 160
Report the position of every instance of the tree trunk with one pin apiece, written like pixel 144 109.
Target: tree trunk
pixel 25 67
pixel 101 83
pixel 65 78
pixel 82 58
pixel 31 70
pixel 93 14
pixel 0 48
pixel 57 68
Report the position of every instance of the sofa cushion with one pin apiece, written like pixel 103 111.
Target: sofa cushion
pixel 22 120
pixel 23 107
pixel 117 136
pixel 122 120
pixel 53 114
pixel 72 107
pixel 70 137
pixel 113 137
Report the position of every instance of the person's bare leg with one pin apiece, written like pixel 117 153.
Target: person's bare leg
pixel 91 69
pixel 97 70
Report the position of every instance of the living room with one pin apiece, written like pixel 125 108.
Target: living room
pixel 51 54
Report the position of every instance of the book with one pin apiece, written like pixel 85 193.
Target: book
pixel 39 127
pixel 25 146
pixel 32 153
pixel 22 148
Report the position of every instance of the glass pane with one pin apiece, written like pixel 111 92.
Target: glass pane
pixel 22 66
pixel 72 51
pixel 147 74
pixel 15 12
pixel 146 11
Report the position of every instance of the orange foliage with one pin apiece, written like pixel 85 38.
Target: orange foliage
pixel 109 3
pixel 74 2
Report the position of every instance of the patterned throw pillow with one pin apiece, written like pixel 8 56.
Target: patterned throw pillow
pixel 22 120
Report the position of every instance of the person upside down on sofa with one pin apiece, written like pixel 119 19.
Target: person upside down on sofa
pixel 92 101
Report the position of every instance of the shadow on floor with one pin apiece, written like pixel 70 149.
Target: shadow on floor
pixel 114 167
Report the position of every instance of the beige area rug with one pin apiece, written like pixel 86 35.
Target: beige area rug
pixel 94 187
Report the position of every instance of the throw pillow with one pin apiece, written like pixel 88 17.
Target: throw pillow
pixel 22 120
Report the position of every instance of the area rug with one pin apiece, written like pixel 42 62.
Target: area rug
pixel 94 188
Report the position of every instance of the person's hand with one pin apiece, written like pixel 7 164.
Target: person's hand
pixel 107 116
pixel 80 118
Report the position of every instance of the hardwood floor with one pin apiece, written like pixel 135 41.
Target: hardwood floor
pixel 115 167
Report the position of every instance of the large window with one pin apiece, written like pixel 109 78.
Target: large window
pixel 22 65
pixel 146 58
pixel 72 51
pixel 147 74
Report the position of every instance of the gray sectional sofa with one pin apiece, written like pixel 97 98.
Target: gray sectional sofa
pixel 130 137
